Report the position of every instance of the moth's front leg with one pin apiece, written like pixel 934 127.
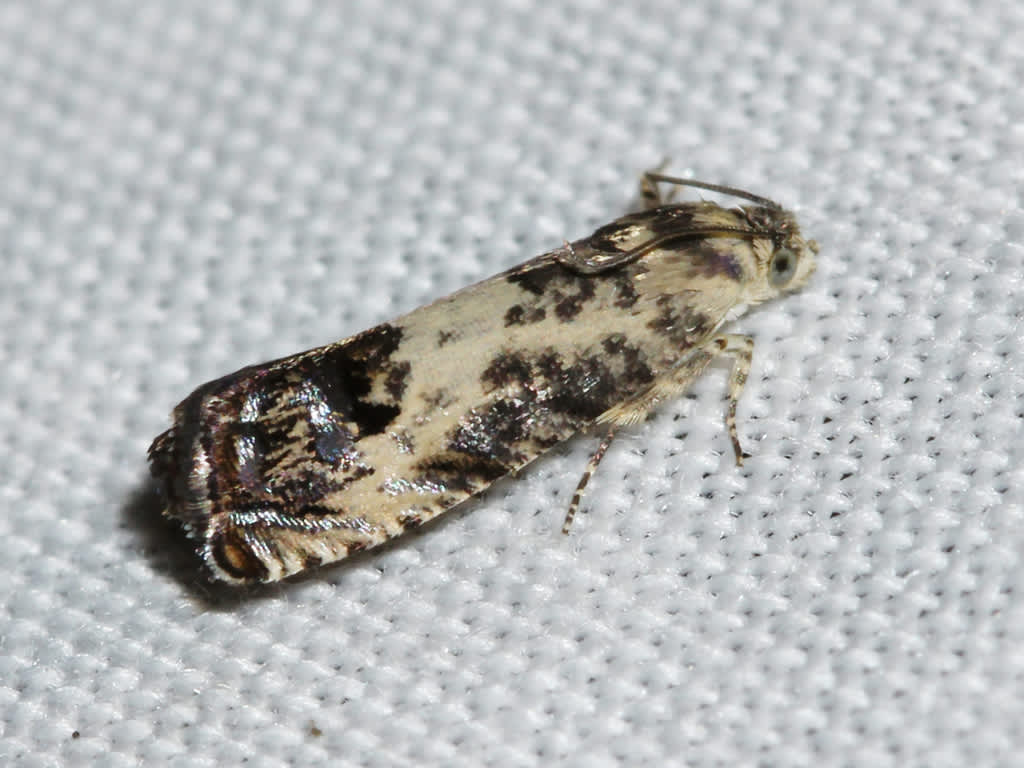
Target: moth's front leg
pixel 741 350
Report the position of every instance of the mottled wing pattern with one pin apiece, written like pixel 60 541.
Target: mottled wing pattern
pixel 306 459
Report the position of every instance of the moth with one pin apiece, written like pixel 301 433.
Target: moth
pixel 305 460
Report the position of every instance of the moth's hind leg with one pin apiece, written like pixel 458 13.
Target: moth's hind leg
pixel 595 459
pixel 739 348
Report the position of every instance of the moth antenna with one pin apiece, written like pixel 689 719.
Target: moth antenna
pixel 733 191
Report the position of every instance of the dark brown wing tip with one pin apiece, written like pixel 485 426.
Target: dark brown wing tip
pixel 171 481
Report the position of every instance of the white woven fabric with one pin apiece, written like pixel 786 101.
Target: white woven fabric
pixel 189 187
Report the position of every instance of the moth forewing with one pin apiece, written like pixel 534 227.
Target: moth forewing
pixel 307 459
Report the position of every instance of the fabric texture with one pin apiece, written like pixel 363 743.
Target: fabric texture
pixel 190 187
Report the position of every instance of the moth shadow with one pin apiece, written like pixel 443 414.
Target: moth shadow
pixel 170 552
pixel 159 539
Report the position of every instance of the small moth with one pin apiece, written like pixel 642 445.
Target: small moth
pixel 305 460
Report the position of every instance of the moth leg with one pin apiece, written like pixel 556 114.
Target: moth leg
pixel 740 348
pixel 737 346
pixel 670 387
pixel 650 192
pixel 595 459
pixel 634 411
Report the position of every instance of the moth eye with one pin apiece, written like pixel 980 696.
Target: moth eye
pixel 783 267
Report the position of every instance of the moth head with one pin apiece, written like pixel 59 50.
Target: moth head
pixel 784 259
